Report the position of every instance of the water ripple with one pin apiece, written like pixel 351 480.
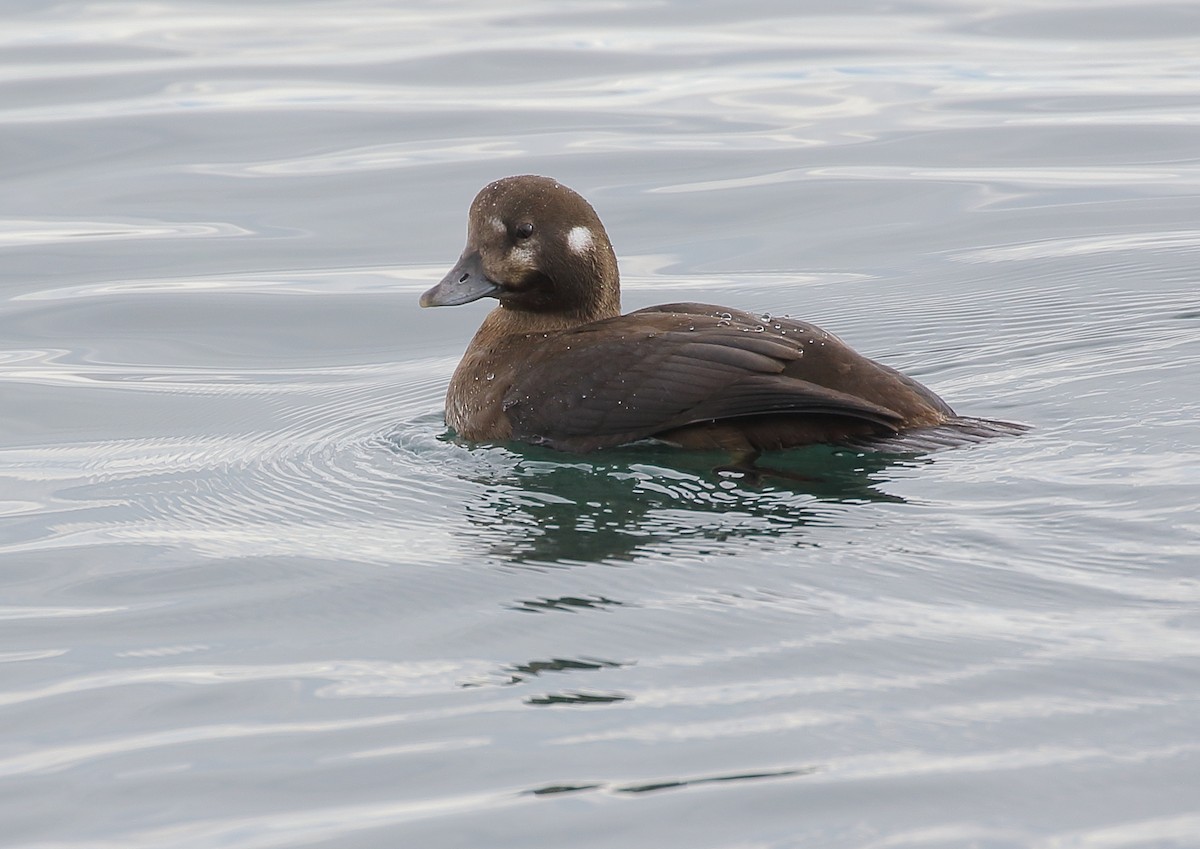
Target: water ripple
pixel 254 596
pixel 18 232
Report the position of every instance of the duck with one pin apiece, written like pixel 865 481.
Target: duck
pixel 557 364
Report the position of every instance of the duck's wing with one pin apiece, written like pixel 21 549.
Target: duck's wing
pixel 645 373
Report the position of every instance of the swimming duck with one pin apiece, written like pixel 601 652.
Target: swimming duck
pixel 555 363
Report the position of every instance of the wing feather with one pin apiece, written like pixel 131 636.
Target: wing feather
pixel 668 368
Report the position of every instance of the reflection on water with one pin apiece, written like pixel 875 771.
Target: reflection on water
pixel 621 504
pixel 672 784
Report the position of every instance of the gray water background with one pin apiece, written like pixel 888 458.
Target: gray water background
pixel 252 596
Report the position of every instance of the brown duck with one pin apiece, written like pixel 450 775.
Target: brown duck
pixel 557 364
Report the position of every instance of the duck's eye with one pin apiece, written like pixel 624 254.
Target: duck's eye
pixel 524 230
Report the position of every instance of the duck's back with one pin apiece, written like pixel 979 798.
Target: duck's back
pixel 693 374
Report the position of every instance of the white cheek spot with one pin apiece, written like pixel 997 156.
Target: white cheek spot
pixel 579 240
pixel 497 224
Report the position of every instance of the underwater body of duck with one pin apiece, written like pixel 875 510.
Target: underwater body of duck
pixel 557 364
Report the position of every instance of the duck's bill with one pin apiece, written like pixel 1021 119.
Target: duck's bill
pixel 464 283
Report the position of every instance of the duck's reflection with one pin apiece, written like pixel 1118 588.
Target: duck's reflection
pixel 547 508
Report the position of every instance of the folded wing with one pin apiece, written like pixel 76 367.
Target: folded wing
pixel 672 366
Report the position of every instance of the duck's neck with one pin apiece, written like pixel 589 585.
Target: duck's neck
pixel 505 321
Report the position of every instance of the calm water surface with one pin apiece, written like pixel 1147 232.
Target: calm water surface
pixel 252 595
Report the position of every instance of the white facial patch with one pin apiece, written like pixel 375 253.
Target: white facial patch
pixel 579 239
pixel 522 256
pixel 497 225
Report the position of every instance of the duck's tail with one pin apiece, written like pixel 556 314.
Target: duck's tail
pixel 952 433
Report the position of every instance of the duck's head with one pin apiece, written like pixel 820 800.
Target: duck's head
pixel 537 247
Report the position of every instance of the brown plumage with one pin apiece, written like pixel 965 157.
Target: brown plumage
pixel 556 363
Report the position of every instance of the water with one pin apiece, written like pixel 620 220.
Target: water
pixel 252 596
